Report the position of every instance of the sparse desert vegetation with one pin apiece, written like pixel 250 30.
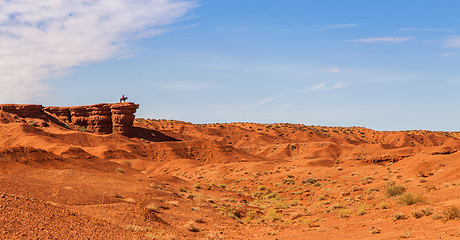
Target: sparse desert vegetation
pixel 239 180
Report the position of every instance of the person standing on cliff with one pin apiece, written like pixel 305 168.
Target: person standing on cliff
pixel 123 98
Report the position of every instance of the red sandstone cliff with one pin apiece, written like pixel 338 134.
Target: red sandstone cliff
pixel 100 118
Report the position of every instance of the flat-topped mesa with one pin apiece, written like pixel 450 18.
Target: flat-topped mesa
pixel 100 118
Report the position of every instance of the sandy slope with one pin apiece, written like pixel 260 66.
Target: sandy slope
pixel 176 180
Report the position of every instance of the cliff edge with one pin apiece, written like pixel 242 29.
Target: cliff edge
pixel 103 118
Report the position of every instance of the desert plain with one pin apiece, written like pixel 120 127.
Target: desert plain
pixel 167 179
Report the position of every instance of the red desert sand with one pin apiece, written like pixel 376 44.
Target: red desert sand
pixel 95 172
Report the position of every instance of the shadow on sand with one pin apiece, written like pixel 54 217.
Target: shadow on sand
pixel 149 135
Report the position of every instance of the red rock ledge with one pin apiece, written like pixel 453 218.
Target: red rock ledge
pixel 100 118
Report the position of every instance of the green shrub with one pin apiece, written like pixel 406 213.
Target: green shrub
pixel 399 216
pixel 81 128
pixel 394 190
pixel 263 188
pixel 344 213
pixel 309 180
pixel 250 215
pixel 231 212
pixel 417 214
pixel 272 195
pixel 427 211
pixel 451 213
pixel 408 199
pixel 361 211
pixel 272 215
pixel 33 124
pixel 289 181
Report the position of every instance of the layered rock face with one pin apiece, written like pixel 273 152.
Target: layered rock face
pixel 23 110
pixel 122 117
pixel 100 118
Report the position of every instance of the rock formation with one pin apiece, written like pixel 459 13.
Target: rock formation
pixel 122 117
pixel 100 118
pixel 23 110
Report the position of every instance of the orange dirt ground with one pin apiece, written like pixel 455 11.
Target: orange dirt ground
pixel 177 180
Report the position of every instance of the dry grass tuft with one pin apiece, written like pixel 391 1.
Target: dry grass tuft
pixel 394 190
pixel 408 199
pixel 451 213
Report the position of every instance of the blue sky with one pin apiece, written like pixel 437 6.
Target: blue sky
pixel 385 65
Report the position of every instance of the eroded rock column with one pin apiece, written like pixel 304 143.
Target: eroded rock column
pixel 123 116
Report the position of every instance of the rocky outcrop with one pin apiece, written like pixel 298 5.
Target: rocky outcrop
pixel 122 117
pixel 61 113
pixel 23 110
pixel 100 118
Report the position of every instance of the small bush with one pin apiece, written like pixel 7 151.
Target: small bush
pixel 250 215
pixel 427 211
pixel 417 214
pixel 322 197
pixel 120 170
pixel 231 212
pixel 33 124
pixel 272 215
pixel 394 190
pixel 410 199
pixel 334 207
pixel 451 213
pixel 82 128
pixel 383 205
pixel 263 188
pixel 344 213
pixel 289 181
pixel 153 207
pixel 399 216
pixel 134 228
pixel 361 211
pixel 367 180
pixel 273 195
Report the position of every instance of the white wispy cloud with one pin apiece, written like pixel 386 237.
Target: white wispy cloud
pixel 324 87
pixel 382 39
pixel 453 42
pixel 427 30
pixel 343 25
pixel 261 102
pixel 42 39
pixel 333 70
